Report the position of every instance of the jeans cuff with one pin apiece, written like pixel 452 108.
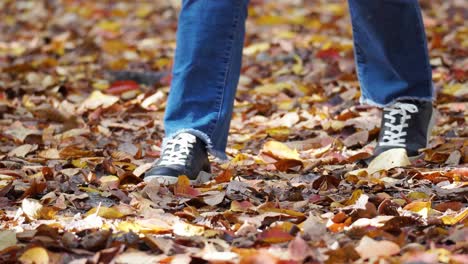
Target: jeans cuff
pixel 369 101
pixel 219 155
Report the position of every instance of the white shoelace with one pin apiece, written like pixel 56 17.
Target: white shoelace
pixel 395 133
pixel 176 150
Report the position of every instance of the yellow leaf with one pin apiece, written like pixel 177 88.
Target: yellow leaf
pixel 354 197
pixel 35 255
pixel 273 88
pixel 280 151
pixel 101 85
pixel 279 132
pixel 126 226
pixel 417 195
pixel 79 163
pixel 298 67
pixel 256 48
pixel 106 212
pixel 456 89
pixel 421 208
pixel 453 220
pixel 109 26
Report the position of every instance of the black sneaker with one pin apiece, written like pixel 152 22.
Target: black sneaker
pixel 406 124
pixel 183 155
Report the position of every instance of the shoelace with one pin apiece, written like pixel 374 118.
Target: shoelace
pixel 177 150
pixel 395 133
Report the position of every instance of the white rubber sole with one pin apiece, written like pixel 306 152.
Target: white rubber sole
pixel 202 177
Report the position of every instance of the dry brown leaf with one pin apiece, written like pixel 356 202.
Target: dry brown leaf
pixel 22 150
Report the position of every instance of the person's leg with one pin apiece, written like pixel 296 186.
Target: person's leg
pixel 206 72
pixel 391 51
pixel 393 69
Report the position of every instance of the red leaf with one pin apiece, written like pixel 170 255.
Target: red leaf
pixel 120 87
pixel 330 53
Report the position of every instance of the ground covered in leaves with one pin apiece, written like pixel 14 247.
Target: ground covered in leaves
pixel 76 133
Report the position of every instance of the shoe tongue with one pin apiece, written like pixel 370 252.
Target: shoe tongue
pixel 188 137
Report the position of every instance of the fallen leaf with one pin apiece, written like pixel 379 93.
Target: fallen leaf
pixel 213 197
pixel 22 150
pixel 277 234
pixel 421 208
pixel 32 208
pixel 182 228
pixel 298 249
pixel 280 151
pixel 455 219
pixel 106 212
pixel 370 248
pixel 183 188
pixel 7 239
pixel 389 159
pixel 120 87
pixel 97 99
pixel 35 255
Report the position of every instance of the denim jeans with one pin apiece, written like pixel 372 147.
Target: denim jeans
pixel 390 50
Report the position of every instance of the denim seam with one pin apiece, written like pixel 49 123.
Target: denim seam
pixel 425 47
pixel 368 101
pixel 360 58
pixel 224 74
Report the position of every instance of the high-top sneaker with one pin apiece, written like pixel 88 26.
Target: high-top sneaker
pixel 185 154
pixel 406 124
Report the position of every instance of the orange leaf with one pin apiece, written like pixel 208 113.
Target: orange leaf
pixel 224 176
pixel 183 188
pixel 277 234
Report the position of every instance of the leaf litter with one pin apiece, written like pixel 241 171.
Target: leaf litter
pixel 82 92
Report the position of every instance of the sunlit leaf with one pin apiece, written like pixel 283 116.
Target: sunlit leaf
pixel 183 188
pixel 35 255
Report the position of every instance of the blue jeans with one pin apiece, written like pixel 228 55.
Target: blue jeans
pixel 389 43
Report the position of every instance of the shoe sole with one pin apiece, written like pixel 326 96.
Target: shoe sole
pixel 202 177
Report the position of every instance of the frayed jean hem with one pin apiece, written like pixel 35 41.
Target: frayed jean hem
pixel 371 102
